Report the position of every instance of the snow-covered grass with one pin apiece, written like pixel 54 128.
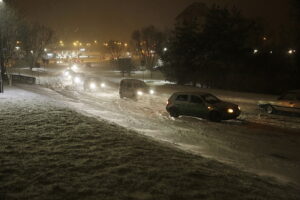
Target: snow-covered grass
pixel 48 151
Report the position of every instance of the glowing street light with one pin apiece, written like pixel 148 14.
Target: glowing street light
pixel 291 51
pixel 61 43
pixel 255 51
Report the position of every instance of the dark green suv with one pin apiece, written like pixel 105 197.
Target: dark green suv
pixel 203 105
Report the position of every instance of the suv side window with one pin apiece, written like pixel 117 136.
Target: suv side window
pixel 129 84
pixel 182 98
pixel 195 99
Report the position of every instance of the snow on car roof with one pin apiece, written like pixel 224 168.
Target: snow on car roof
pixel 192 93
pixel 132 79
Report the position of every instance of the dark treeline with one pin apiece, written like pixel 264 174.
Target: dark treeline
pixel 219 47
pixel 21 41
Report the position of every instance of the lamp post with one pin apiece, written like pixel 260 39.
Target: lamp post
pixel 1 46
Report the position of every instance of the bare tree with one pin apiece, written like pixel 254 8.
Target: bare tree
pixel 148 46
pixel 8 35
pixel 35 38
pixel 114 48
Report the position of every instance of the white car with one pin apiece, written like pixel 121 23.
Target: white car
pixel 288 102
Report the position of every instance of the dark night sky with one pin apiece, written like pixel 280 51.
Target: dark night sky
pixel 116 19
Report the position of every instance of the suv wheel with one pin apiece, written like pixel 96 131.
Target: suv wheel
pixel 174 112
pixel 215 116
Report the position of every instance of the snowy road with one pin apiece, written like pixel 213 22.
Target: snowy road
pixel 259 143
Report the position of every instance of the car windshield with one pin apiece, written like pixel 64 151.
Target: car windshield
pixel 210 98
pixel 141 84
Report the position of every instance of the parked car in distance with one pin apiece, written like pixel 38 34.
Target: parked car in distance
pixel 132 88
pixel 287 102
pixel 203 105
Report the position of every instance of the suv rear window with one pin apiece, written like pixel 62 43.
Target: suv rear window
pixel 182 98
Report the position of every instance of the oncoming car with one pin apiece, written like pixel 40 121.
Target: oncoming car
pixel 132 88
pixel 68 74
pixel 93 84
pixel 71 78
pixel 203 105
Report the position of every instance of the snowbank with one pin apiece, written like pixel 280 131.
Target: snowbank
pixel 48 151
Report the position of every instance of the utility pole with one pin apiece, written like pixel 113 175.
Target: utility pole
pixel 1 52
pixel 1 66
pixel 1 80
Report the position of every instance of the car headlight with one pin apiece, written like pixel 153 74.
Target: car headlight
pixel 140 93
pixel 69 77
pixel 93 86
pixel 239 108
pixel 151 91
pixel 103 85
pixel 74 67
pixel 230 110
pixel 66 73
pixel 77 80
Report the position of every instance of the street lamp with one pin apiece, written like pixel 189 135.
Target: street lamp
pixel 1 67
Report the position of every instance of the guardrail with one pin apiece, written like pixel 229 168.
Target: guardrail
pixel 23 78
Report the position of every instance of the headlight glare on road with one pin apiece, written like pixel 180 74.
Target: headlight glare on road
pixel 140 93
pixel 230 110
